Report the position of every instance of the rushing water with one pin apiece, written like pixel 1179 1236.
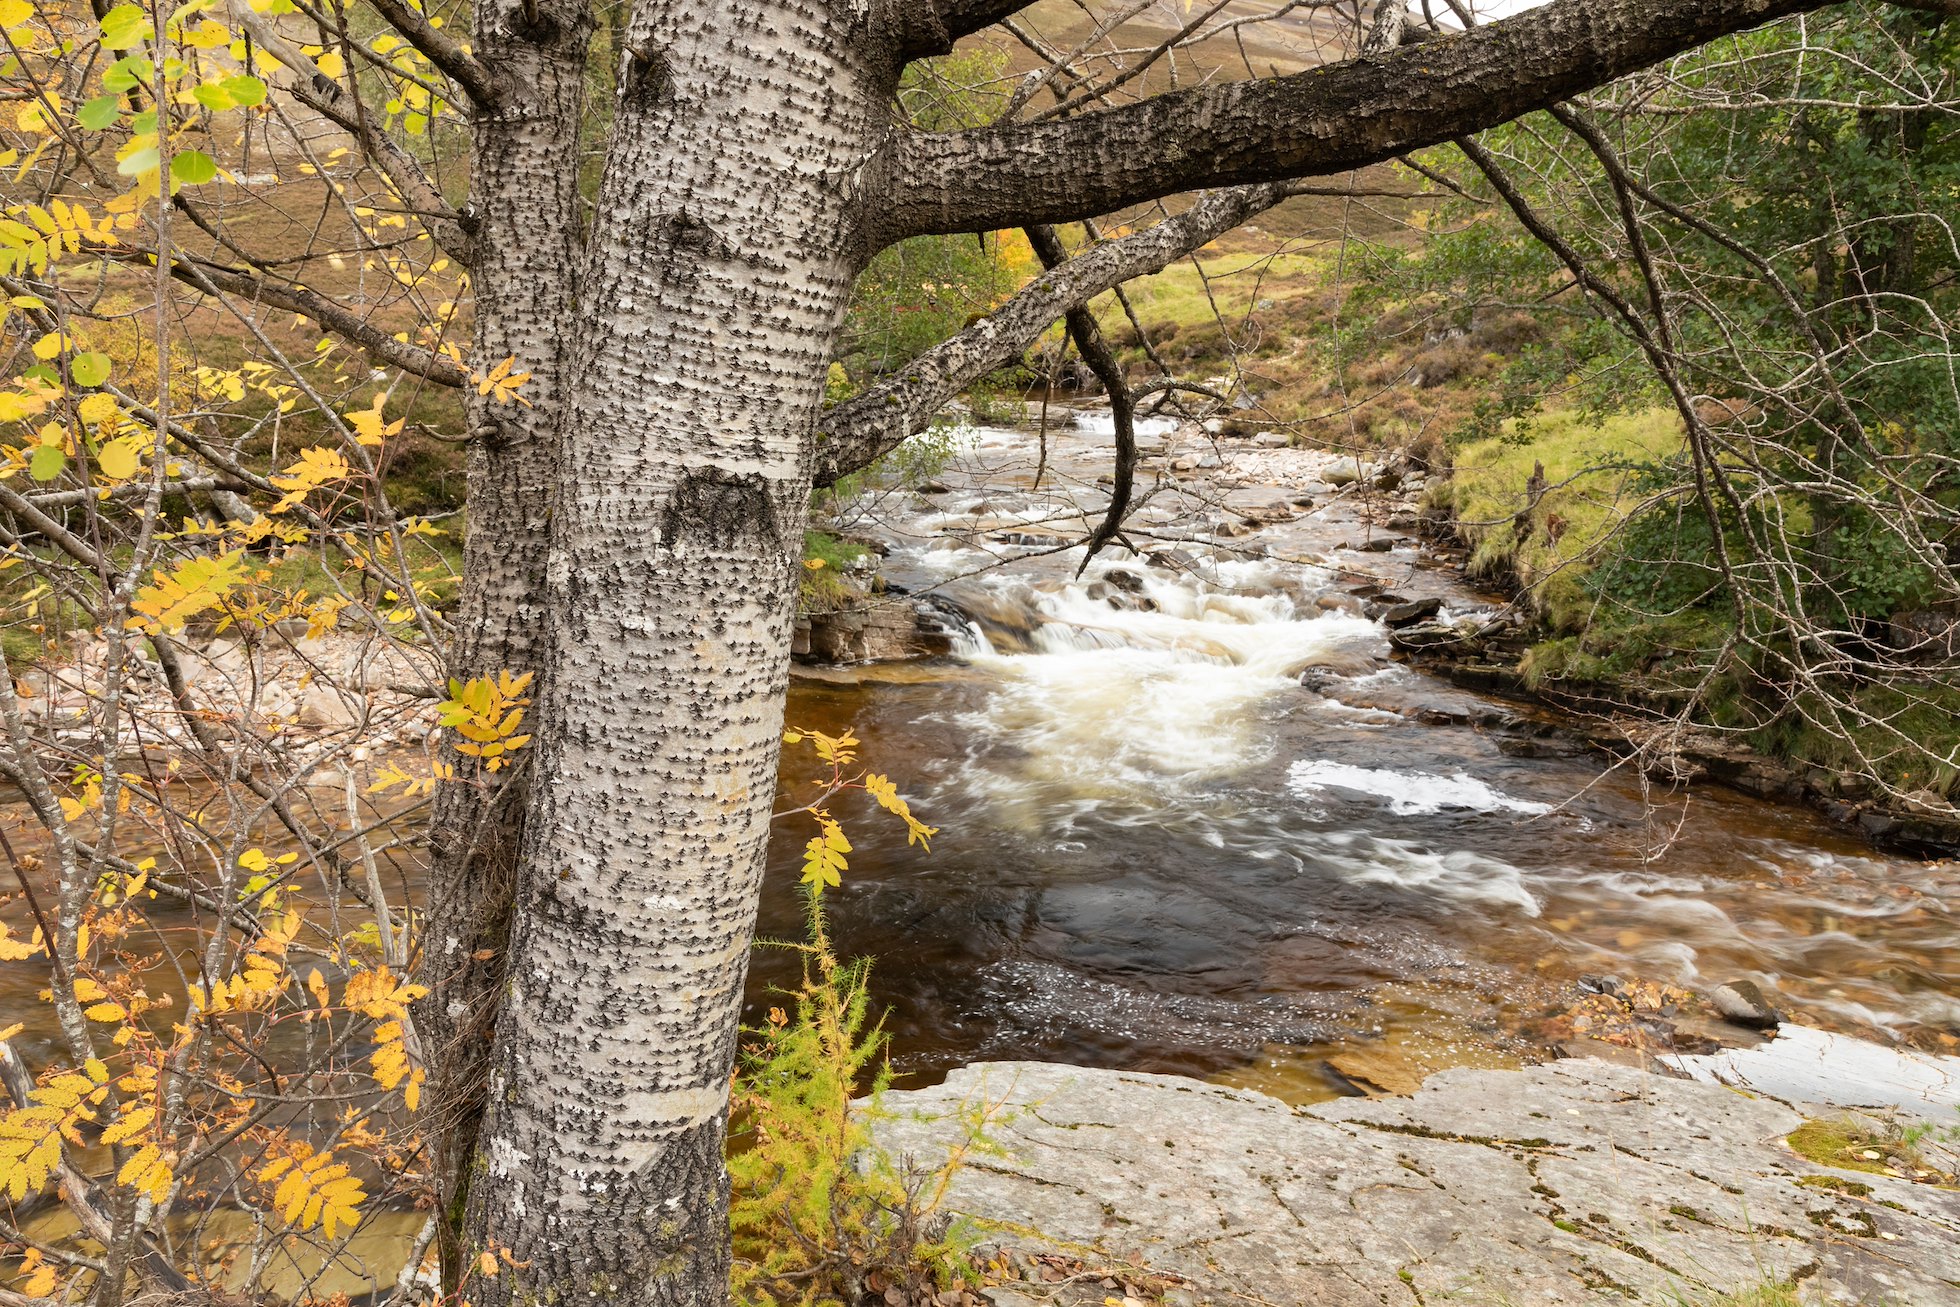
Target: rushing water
pixel 1195 821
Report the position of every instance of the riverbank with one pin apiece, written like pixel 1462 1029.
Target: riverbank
pixel 1571 1183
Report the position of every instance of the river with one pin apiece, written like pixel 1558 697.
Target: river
pixel 1195 819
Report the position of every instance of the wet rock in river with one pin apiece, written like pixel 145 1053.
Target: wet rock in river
pixel 1742 1002
pixel 879 632
pixel 1345 472
pixel 1431 635
pixel 1411 612
pixel 1175 559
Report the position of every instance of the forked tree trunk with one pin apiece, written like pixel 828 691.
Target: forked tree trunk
pixel 720 260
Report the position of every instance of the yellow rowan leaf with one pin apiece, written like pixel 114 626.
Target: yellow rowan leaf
pixel 823 857
pixel 130 1124
pixel 501 383
pixel 885 792
pixel 38 1278
pixel 194 586
pixel 371 427
pixel 317 467
pixel 13 950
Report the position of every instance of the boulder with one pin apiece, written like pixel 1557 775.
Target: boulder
pixel 1431 635
pixel 1538 1187
pixel 877 632
pixel 1344 472
pixel 1411 612
pixel 322 705
pixel 1742 1002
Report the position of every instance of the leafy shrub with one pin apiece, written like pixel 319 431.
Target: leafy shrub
pixel 819 1213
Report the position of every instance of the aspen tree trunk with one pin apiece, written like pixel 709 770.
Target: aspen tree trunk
pixel 527 239
pixel 720 261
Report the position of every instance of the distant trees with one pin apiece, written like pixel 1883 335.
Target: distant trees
pixel 1765 237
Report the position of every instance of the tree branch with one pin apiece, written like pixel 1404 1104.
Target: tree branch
pixel 447 227
pixel 331 100
pixel 331 316
pixel 1327 119
pixel 862 429
pixel 477 81
pixel 1108 368
pixel 930 27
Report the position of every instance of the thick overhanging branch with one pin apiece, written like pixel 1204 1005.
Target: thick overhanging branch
pixel 1102 361
pixel 860 430
pixel 930 27
pixel 1324 120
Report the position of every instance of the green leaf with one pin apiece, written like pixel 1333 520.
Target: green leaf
pixel 245 90
pixel 125 26
pixel 47 462
pixel 89 369
pixel 99 113
pixel 127 74
pixel 213 96
pixel 192 167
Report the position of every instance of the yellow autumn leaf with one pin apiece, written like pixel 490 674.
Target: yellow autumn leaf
pixel 370 426
pixel 173 598
pixel 118 460
pixel 130 1124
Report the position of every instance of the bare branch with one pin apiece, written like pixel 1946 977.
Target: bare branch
pixel 484 88
pixel 860 430
pixel 330 314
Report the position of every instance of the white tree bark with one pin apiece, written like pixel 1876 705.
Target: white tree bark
pixel 721 257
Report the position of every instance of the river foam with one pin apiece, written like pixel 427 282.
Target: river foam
pixel 1409 793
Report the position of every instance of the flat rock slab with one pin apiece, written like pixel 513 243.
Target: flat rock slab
pixel 1576 1182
